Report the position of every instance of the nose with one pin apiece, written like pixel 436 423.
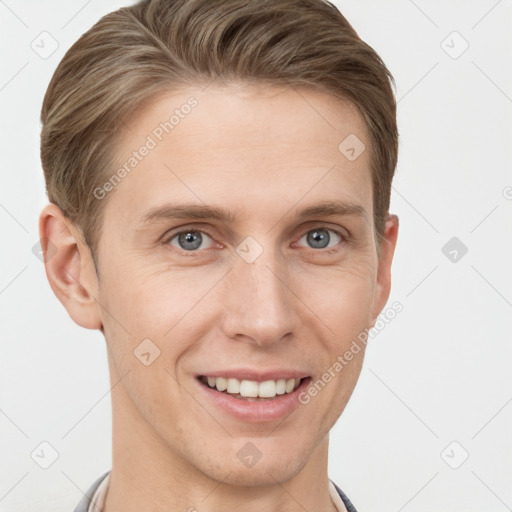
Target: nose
pixel 261 307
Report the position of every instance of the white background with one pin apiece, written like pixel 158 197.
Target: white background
pixel 438 373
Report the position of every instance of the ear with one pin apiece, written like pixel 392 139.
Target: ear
pixel 69 267
pixel 383 285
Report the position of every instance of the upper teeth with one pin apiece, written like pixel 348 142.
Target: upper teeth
pixel 251 388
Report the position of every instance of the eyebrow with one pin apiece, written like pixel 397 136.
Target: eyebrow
pixel 199 211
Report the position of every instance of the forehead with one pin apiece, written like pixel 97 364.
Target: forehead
pixel 243 148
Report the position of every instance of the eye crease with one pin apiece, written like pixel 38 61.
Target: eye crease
pixel 319 238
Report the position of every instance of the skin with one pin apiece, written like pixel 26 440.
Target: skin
pixel 261 153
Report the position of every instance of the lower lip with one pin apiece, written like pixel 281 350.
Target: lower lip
pixel 258 411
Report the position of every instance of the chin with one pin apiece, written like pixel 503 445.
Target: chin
pixel 261 474
pixel 269 465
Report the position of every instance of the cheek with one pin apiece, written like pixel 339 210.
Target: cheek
pixel 343 301
pixel 152 299
pixel 157 302
pixel 342 311
pixel 159 311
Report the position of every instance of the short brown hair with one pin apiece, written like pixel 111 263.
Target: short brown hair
pixel 133 53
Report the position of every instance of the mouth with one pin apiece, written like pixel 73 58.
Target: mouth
pixel 254 401
pixel 252 390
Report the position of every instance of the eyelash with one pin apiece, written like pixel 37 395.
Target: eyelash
pixel 345 239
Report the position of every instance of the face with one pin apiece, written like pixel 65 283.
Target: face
pixel 241 246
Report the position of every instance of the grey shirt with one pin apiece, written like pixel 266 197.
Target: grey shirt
pixel 86 505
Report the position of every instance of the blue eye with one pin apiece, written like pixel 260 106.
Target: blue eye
pixel 193 241
pixel 319 238
pixel 189 240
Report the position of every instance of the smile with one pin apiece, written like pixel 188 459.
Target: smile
pixel 247 389
pixel 256 401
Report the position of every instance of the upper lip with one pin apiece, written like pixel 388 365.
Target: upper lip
pixel 257 375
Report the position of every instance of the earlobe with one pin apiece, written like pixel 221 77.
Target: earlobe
pixel 383 285
pixel 69 267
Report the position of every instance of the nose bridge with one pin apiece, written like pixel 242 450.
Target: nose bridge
pixel 261 306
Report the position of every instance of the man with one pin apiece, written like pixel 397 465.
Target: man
pixel 219 176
